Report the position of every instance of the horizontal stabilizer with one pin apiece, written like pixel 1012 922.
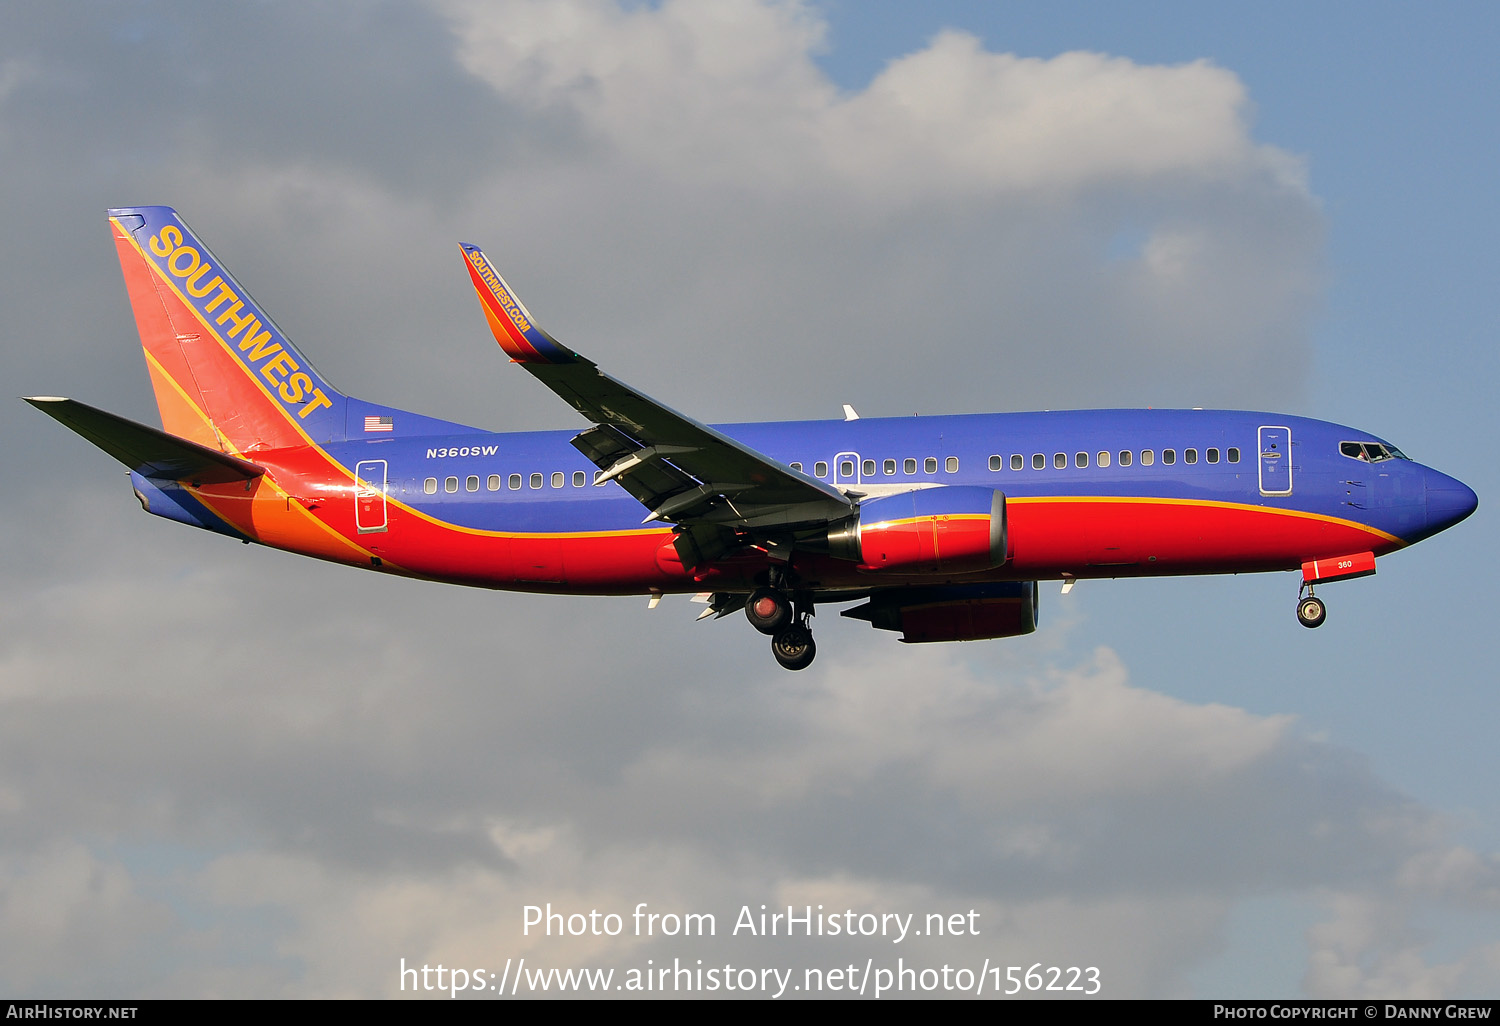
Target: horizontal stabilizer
pixel 145 450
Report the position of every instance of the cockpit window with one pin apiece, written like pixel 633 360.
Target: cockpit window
pixel 1371 452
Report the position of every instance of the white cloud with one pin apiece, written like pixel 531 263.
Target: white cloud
pixel 962 207
pixel 729 92
pixel 1374 946
pixel 400 785
pixel 680 187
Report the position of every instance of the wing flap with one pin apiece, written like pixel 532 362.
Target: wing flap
pixel 633 466
pixel 684 455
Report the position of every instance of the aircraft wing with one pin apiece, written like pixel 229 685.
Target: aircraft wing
pixel 682 471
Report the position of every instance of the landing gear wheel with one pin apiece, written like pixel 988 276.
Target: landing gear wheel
pixel 794 648
pixel 1311 612
pixel 768 610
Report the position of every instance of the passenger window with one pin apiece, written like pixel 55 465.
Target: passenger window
pixel 492 483
pixel 1103 457
pixel 1125 457
pixel 1017 461
pixel 579 479
pixel 450 484
pixel 909 467
pixel 951 464
pixel 1191 455
pixel 536 480
pixel 846 468
pixel 514 482
pixel 797 467
pixel 1038 461
pixel 1080 459
pixel 930 464
pixel 996 463
pixel 1213 455
pixel 820 469
pixel 1234 454
pixel 471 483
pixel 1059 460
pixel 1169 456
pixel 430 486
pixel 867 469
pixel 1147 457
pixel 889 467
pixel 558 477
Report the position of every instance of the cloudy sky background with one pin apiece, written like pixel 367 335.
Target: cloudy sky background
pixel 229 771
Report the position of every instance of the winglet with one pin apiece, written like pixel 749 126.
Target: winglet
pixel 511 322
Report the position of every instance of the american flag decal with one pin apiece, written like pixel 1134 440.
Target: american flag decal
pixel 379 424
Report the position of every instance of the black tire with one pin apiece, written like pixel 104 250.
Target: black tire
pixel 794 648
pixel 768 610
pixel 1311 612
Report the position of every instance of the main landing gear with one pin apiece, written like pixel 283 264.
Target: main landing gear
pixel 770 611
pixel 1310 609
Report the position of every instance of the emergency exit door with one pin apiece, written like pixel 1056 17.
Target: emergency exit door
pixel 369 496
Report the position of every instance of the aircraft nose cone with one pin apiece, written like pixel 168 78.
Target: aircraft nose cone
pixel 1448 501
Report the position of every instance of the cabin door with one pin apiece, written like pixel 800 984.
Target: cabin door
pixel 1276 461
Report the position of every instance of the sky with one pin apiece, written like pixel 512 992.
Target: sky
pixel 228 771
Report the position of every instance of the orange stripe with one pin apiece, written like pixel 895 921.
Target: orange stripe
pixel 180 416
pixel 278 520
pixel 222 504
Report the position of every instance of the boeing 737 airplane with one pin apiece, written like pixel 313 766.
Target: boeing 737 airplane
pixel 940 527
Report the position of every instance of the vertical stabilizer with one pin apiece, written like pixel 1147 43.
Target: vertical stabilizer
pixel 224 374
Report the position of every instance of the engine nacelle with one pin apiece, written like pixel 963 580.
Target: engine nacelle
pixel 952 529
pixel 953 612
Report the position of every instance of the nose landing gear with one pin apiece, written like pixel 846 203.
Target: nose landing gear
pixel 1311 612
